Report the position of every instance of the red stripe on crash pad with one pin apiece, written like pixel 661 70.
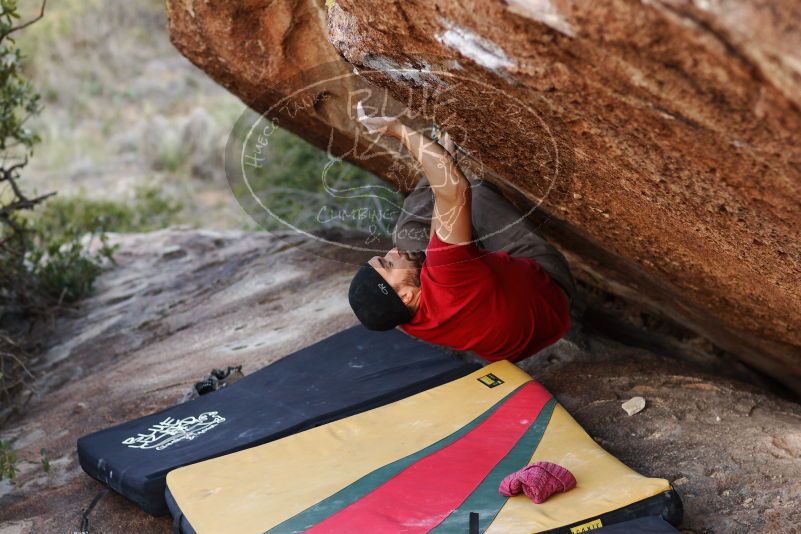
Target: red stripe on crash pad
pixel 421 496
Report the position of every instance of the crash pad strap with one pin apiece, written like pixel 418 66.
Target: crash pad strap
pixel 85 515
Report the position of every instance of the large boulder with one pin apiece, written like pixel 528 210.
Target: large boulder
pixel 180 303
pixel 659 139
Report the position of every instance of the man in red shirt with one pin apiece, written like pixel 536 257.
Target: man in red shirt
pixel 485 283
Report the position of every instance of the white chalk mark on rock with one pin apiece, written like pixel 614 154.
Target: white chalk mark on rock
pixel 471 45
pixel 543 11
pixel 406 72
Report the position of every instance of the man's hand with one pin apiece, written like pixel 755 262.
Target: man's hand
pixel 377 125
pixel 448 144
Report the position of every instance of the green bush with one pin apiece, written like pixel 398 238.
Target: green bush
pixel 62 258
pixel 65 270
pixel 19 101
pixel 149 210
pixel 8 461
pixel 62 216
pixel 40 272
pixel 43 266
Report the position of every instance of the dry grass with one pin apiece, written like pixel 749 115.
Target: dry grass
pixel 118 100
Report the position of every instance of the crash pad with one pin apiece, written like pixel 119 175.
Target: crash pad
pixel 421 464
pixel 347 373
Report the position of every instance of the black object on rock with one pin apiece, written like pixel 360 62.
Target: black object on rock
pixel 217 379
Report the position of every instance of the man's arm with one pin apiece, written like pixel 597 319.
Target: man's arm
pixel 451 219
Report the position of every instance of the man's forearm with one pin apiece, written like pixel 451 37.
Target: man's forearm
pixel 439 166
pixel 452 197
pixel 451 217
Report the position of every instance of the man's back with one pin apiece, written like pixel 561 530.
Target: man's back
pixel 495 305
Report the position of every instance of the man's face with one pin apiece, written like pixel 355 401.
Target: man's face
pixel 395 266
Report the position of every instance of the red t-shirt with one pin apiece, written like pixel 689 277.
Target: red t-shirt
pixel 500 307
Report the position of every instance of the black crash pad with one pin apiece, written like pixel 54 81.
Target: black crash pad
pixel 347 373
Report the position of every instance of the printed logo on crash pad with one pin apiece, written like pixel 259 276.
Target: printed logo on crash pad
pixel 586 527
pixel 490 380
pixel 171 431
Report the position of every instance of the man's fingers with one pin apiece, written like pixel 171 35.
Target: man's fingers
pixel 370 123
pixel 360 113
pixel 376 124
pixel 447 143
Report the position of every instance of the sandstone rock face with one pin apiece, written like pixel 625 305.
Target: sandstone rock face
pixel 263 51
pixel 183 302
pixel 659 140
pixel 673 132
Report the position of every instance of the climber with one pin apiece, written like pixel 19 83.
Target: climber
pixel 467 271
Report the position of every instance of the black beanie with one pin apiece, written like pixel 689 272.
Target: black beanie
pixel 375 302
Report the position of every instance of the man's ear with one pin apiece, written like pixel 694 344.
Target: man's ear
pixel 407 293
